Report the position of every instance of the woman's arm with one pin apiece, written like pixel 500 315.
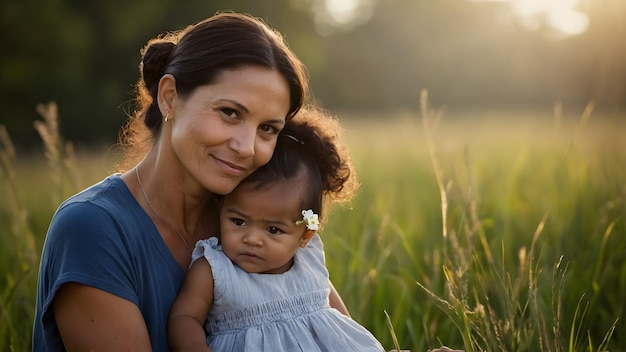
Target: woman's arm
pixel 90 319
pixel 190 309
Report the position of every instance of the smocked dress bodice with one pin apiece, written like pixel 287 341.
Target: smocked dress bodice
pixel 278 312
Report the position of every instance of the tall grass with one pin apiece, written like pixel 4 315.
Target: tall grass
pixel 503 233
pixel 32 188
pixel 486 232
pixel 494 308
pixel 17 257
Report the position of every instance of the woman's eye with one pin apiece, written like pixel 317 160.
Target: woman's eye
pixel 230 112
pixel 274 230
pixel 269 129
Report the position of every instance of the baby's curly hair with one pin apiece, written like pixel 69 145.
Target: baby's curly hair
pixel 312 142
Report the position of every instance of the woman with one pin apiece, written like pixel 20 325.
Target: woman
pixel 211 101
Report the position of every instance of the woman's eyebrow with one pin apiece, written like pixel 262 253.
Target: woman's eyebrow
pixel 237 104
pixel 243 108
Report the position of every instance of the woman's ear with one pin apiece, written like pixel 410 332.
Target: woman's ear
pixel 308 234
pixel 167 93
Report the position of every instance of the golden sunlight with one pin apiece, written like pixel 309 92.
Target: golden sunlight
pixel 561 15
pixel 334 14
pixel 342 11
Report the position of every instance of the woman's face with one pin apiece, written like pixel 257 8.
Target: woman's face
pixel 224 131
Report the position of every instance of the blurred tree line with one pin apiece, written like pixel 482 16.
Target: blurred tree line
pixel 85 54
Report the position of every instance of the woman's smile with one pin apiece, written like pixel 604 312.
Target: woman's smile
pixel 231 168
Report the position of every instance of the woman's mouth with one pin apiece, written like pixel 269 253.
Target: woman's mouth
pixel 230 168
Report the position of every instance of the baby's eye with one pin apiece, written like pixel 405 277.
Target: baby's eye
pixel 238 222
pixel 274 230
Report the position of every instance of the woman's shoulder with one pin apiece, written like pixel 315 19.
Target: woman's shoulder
pixel 101 192
pixel 109 198
pixel 106 209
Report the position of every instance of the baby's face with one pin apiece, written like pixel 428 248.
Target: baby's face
pixel 258 226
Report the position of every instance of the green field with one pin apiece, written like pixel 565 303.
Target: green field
pixel 494 231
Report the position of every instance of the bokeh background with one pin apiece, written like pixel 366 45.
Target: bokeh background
pixel 492 213
pixel 364 56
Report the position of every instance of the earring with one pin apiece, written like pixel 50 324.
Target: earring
pixel 167 117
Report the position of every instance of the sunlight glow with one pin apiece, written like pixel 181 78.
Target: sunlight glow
pixel 342 11
pixel 561 15
pixel 337 15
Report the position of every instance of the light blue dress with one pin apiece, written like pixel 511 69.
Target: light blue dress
pixel 278 312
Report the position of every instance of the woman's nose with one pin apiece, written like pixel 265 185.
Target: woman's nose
pixel 243 141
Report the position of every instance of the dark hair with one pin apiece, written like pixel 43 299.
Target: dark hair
pixel 311 143
pixel 195 56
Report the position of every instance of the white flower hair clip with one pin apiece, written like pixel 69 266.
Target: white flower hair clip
pixel 310 219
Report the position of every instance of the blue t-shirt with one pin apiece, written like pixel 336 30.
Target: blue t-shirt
pixel 102 238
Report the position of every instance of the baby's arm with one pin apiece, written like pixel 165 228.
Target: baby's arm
pixel 189 312
pixel 336 301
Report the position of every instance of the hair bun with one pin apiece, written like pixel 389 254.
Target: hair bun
pixel 154 61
